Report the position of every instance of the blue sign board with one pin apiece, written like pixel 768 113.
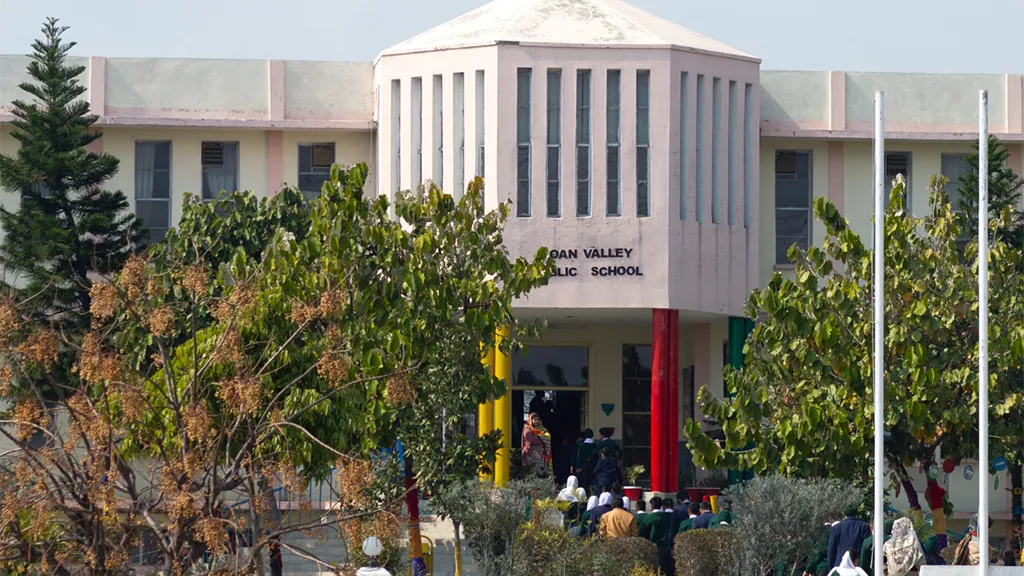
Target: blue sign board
pixel 999 464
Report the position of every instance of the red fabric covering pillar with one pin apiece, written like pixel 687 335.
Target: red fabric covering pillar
pixel 664 400
pixel 672 409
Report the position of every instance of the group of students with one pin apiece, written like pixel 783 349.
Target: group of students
pixel 612 515
pixel 850 549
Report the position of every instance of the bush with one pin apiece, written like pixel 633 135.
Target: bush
pixel 493 518
pixel 708 553
pixel 385 526
pixel 778 519
pixel 547 550
pixel 624 556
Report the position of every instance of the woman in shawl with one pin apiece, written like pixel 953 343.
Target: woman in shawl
pixel 903 551
pixel 968 552
pixel 626 502
pixel 591 504
pixel 536 447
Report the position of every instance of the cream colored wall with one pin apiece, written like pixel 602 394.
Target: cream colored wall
pixel 349 148
pixel 8 147
pixel 170 85
pixel 819 187
pixel 925 98
pixel 13 71
pixel 792 96
pixel 858 178
pixel 186 159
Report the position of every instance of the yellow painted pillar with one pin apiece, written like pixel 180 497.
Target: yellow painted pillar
pixel 503 411
pixel 485 413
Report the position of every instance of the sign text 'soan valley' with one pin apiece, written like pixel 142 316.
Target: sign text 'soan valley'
pixel 568 268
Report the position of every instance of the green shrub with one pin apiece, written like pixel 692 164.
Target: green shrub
pixel 708 553
pixel 548 550
pixel 622 556
pixel 778 519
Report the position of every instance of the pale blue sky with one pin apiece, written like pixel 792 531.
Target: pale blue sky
pixel 983 36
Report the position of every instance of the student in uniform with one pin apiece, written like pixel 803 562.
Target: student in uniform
pixel 585 451
pixel 703 520
pixel 693 510
pixel 644 523
pixel 618 522
pixel 607 443
pixel 660 533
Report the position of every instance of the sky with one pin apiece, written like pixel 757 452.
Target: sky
pixel 943 36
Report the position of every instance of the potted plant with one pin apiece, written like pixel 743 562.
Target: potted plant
pixel 632 475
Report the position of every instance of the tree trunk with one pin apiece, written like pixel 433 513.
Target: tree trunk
pixel 458 548
pixel 412 504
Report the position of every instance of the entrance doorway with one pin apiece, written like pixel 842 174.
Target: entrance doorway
pixel 552 381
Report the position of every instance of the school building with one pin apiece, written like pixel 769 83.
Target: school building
pixel 666 172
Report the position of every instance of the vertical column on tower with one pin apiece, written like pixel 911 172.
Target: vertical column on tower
pixel 485 413
pixel 503 410
pixel 664 400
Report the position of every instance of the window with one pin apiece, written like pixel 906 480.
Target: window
pixel 315 162
pixel 480 121
pixel 614 202
pixel 643 143
pixel 636 405
pixel 396 135
pixel 700 150
pixel 153 187
pixel 953 167
pixel 417 132
pixel 716 139
pixel 554 148
pixel 792 202
pixel 583 142
pixel 220 168
pixel 523 142
pixel 684 140
pixel 551 366
pixel 897 163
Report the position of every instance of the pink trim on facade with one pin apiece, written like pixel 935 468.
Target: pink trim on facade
pixel 98 85
pixel 835 174
pixel 275 161
pixel 837 100
pixel 896 131
pixel 275 74
pixel 1014 104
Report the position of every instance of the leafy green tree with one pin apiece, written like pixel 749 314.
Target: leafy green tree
pixel 1005 190
pixel 66 227
pixel 804 395
pixel 210 377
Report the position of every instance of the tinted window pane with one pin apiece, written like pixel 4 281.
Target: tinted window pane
pixel 162 161
pixel 636 430
pixel 643 201
pixel 642 163
pixel 782 244
pixel 643 134
pixel 161 184
pixel 791 223
pixel 613 164
pixel 305 158
pixel 636 361
pixel 544 366
pixel 154 213
pixel 582 163
pixel 312 182
pixel 792 193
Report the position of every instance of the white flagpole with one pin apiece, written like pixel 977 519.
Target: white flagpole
pixel 983 330
pixel 879 294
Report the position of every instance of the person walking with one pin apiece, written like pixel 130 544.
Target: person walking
pixel 903 551
pixel 607 472
pixel 604 506
pixel 693 510
pixel 867 558
pixel 847 535
pixel 848 566
pixel 536 447
pixel 703 520
pixel 586 448
pixel 968 552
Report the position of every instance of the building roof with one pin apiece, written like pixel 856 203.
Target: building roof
pixel 567 22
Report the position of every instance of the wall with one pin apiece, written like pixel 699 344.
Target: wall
pixel 186 160
pixel 13 71
pixel 349 148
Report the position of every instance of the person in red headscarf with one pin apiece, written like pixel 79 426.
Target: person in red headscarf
pixel 536 447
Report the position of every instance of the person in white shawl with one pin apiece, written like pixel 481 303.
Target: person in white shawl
pixel 847 568
pixel 626 503
pixel 903 551
pixel 572 491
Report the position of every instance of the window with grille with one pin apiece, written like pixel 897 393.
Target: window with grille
pixel 315 162
pixel 220 168
pixel 523 82
pixel 953 167
pixel 897 163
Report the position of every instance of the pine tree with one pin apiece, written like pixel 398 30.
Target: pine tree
pixel 1005 188
pixel 66 226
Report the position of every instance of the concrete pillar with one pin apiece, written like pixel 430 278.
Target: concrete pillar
pixel 664 401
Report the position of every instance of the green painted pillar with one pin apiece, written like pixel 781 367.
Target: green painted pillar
pixel 739 329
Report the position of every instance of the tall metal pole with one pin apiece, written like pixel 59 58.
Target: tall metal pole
pixel 879 300
pixel 983 330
